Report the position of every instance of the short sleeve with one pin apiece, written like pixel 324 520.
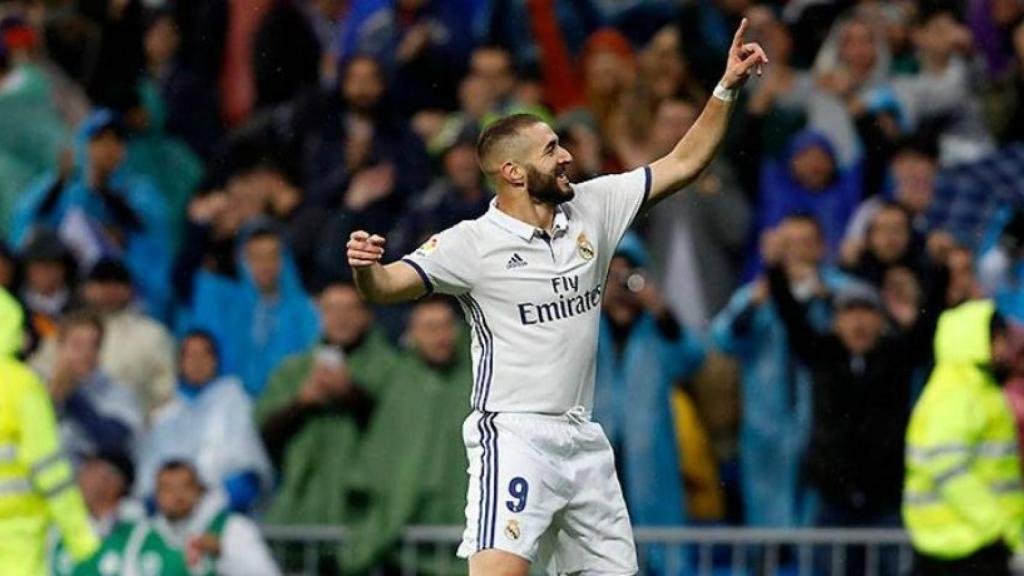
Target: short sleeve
pixel 616 199
pixel 446 261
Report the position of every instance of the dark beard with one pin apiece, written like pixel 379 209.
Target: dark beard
pixel 544 188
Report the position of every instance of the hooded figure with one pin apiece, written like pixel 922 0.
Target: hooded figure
pixel 209 422
pixel 963 502
pixel 103 208
pixel 809 180
pixel 639 361
pixel 259 318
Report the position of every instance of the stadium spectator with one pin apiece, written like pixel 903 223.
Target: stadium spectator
pixel 104 208
pixel 963 503
pixel 861 378
pixel 357 156
pixel 609 76
pixel 423 45
pixel 578 133
pixel 260 317
pixel 912 170
pixel 105 481
pixel 48 289
pixel 776 387
pixel 138 351
pixel 697 237
pixel 963 280
pixel 810 179
pixel 286 52
pixel 95 413
pixel 888 244
pixel 415 474
pixel 168 162
pixel 209 422
pixel 324 397
pixel 852 65
pixel 191 110
pixel 459 194
pixel 940 98
pixel 777 105
pixel 32 130
pixel 643 353
pixel 193 533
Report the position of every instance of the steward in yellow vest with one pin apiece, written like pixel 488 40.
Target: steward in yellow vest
pixel 963 500
pixel 37 485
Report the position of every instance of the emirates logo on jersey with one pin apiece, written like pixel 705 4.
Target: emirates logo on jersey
pixel 584 247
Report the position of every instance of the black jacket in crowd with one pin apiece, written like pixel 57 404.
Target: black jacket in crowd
pixel 861 405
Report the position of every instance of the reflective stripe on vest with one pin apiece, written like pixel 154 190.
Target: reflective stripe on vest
pixel 987 449
pixel 932 497
pixel 15 487
pixel 8 453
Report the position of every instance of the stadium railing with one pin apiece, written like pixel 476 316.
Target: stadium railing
pixel 693 551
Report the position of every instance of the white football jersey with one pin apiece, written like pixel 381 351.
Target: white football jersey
pixel 533 302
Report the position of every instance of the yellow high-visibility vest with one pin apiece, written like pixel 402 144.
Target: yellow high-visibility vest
pixel 963 487
pixel 37 485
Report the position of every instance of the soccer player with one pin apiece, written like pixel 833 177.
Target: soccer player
pixel 529 275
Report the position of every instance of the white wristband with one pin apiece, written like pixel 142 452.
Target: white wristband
pixel 725 94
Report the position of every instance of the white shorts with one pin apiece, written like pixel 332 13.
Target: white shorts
pixel 545 488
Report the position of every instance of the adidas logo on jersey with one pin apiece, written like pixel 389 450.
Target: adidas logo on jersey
pixel 516 261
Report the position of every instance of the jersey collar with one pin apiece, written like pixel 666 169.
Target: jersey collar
pixel 522 229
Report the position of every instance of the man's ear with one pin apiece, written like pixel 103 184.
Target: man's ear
pixel 513 173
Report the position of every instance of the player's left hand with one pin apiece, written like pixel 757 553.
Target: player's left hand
pixel 745 58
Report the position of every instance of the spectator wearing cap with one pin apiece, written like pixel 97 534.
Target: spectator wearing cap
pixel 103 208
pixel 861 395
pixel 260 317
pixel 48 288
pixel 138 351
pixel 95 413
pixel 210 423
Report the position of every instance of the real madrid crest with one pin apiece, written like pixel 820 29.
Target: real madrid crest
pixel 512 529
pixel 584 247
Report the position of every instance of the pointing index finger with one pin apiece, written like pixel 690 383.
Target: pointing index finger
pixel 737 40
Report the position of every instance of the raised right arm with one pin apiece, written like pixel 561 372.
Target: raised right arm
pixel 379 283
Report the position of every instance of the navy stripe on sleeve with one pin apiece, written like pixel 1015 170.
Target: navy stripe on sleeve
pixel 648 182
pixel 423 276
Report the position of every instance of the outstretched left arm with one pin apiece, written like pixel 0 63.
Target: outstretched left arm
pixel 694 152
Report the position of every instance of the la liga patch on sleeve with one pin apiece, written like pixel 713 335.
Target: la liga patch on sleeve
pixel 429 246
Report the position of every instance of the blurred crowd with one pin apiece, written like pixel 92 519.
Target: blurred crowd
pixel 178 180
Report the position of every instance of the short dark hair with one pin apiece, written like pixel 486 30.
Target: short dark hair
pixel 202 334
pixel 805 218
pixel 176 464
pixel 500 131
pixel 891 206
pixel 263 231
pixel 83 317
